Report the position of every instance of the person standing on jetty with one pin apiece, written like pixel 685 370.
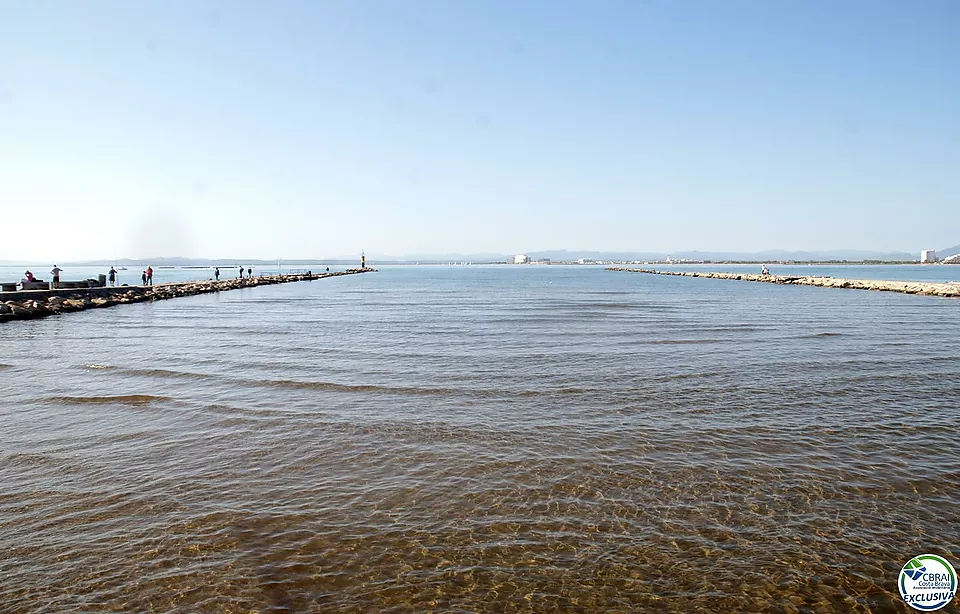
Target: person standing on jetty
pixel 112 276
pixel 56 276
pixel 150 275
pixel 216 274
pixel 143 277
pixel 249 272
pixel 241 272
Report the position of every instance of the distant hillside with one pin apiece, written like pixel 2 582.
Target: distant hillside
pixel 950 251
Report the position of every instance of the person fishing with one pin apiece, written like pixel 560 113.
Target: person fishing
pixel 56 276
pixel 216 274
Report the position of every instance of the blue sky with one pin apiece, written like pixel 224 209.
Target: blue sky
pixel 315 129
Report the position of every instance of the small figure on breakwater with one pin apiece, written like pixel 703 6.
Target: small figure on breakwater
pixel 28 276
pixel 149 275
pixel 363 260
pixel 216 274
pixel 249 273
pixel 56 276
pixel 112 276
pixel 764 270
pixel 328 269
pixel 143 277
pixel 241 272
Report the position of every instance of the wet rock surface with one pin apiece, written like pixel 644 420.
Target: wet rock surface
pixel 905 287
pixel 43 306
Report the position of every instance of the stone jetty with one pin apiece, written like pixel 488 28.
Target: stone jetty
pixel 951 289
pixel 31 304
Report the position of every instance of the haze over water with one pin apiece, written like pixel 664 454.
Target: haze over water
pixel 492 439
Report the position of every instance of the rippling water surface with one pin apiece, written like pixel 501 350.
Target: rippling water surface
pixel 480 439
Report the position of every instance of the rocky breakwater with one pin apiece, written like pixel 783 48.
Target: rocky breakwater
pixel 40 304
pixel 951 289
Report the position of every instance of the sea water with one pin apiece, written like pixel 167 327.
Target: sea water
pixel 496 439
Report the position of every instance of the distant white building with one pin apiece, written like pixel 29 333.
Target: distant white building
pixel 928 255
pixel 520 259
pixel 955 259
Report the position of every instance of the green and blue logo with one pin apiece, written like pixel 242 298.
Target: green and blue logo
pixel 928 582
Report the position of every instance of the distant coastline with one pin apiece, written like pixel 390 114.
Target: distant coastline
pixel 559 256
pixel 159 263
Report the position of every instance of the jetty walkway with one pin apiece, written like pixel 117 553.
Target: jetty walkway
pixel 31 304
pixel 951 289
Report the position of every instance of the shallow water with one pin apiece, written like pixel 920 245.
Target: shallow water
pixel 480 439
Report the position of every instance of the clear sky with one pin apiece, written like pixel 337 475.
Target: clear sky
pixel 318 128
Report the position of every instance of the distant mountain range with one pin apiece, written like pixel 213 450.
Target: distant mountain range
pixel 769 255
